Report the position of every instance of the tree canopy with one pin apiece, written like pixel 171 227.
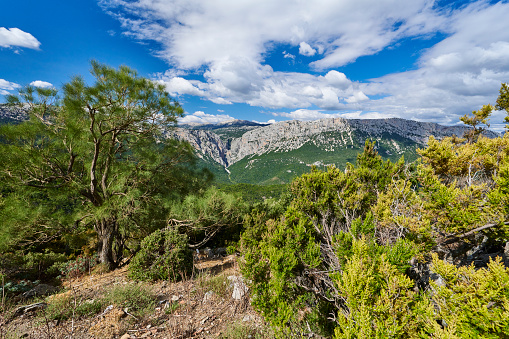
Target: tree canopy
pixel 95 158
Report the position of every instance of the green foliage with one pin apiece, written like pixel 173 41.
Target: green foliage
pixel 503 101
pixel 253 194
pixel 31 266
pixel 94 159
pixel 345 241
pixel 463 185
pixel 212 215
pixel 67 307
pixel 289 258
pixel 164 255
pixel 77 267
pixel 470 303
pixel 478 117
pixel 137 298
pixel 378 300
pixel 282 166
pixel 11 288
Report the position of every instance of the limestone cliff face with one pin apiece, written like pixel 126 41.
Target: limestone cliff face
pixel 290 135
pixel 12 113
pixel 205 142
pixel 287 135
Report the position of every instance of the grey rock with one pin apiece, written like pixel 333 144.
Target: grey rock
pixel 40 290
pixel 209 253
pixel 240 289
pixel 291 135
pixel 208 296
pixel 27 308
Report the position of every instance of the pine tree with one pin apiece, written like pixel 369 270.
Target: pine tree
pixel 97 158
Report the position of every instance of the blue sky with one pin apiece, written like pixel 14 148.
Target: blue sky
pixel 273 60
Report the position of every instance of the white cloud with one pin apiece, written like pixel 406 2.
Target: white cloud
pixel 310 115
pixel 307 115
pixel 178 85
pixel 306 49
pixel 194 33
pixel 15 37
pixel 42 84
pixel 216 39
pixel 357 97
pixel 457 75
pixel 6 86
pixel 287 55
pixel 200 117
pixel 270 121
pixel 243 81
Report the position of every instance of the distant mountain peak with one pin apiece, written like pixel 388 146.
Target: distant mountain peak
pixel 230 142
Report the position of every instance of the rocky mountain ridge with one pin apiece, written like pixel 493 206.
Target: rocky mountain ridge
pixel 247 144
pixel 12 113
pixel 330 134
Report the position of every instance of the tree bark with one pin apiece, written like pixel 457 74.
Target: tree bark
pixel 105 232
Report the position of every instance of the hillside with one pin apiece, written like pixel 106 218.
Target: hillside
pixel 277 153
pixel 202 306
pixel 247 152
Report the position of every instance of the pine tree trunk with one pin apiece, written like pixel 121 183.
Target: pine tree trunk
pixel 105 232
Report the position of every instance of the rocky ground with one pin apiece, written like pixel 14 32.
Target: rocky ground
pixel 212 304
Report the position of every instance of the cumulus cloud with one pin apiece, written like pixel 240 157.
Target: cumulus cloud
pixel 216 39
pixel 200 117
pixel 310 115
pixel 6 86
pixel 357 97
pixel 306 49
pixel 15 37
pixel 455 76
pixel 287 55
pixel 178 85
pixel 307 115
pixel 244 81
pixel 42 84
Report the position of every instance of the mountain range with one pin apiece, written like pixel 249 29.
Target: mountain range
pixel 247 152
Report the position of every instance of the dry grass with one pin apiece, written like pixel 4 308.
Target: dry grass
pixel 201 306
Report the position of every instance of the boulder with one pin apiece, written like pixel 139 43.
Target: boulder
pixel 240 289
pixel 40 290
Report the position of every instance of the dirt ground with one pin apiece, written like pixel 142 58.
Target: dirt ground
pixel 198 307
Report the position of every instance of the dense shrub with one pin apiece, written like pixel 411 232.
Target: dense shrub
pixel 30 266
pixel 212 217
pixel 164 255
pixel 79 266
pixel 290 258
pixel 335 261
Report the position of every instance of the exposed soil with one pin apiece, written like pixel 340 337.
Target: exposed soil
pixel 193 308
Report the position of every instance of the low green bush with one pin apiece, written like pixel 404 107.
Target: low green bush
pixel 240 330
pixel 77 267
pixel 164 255
pixel 137 298
pixel 219 284
pixel 64 308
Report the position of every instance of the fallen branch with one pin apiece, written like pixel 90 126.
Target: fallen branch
pixel 454 238
pixel 25 309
